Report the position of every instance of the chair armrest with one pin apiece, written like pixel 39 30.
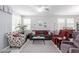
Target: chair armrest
pixel 22 35
pixel 74 50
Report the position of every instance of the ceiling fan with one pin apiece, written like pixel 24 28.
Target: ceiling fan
pixel 43 9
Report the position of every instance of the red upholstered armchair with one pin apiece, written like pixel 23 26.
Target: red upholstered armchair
pixel 63 35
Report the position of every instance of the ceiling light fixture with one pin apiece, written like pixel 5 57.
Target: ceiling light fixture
pixel 43 9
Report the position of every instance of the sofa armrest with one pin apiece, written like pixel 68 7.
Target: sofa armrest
pixel 67 42
pixel 74 50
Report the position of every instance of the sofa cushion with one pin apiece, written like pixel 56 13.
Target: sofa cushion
pixel 37 33
pixel 16 35
pixel 41 32
pixel 46 33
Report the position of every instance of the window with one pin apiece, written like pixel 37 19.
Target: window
pixel 66 22
pixel 61 23
pixel 70 23
pixel 27 22
pixel 16 19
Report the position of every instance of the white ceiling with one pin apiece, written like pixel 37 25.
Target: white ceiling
pixel 53 9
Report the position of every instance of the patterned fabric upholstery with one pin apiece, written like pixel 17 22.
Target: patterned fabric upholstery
pixel 16 41
pixel 74 34
pixel 67 46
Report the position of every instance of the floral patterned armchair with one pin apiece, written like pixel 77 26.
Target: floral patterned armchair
pixel 16 39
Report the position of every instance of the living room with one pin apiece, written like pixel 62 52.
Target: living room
pixel 43 28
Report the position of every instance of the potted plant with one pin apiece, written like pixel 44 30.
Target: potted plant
pixel 21 28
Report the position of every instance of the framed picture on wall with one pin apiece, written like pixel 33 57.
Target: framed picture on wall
pixel 45 25
pixel 40 24
pixel 1 7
